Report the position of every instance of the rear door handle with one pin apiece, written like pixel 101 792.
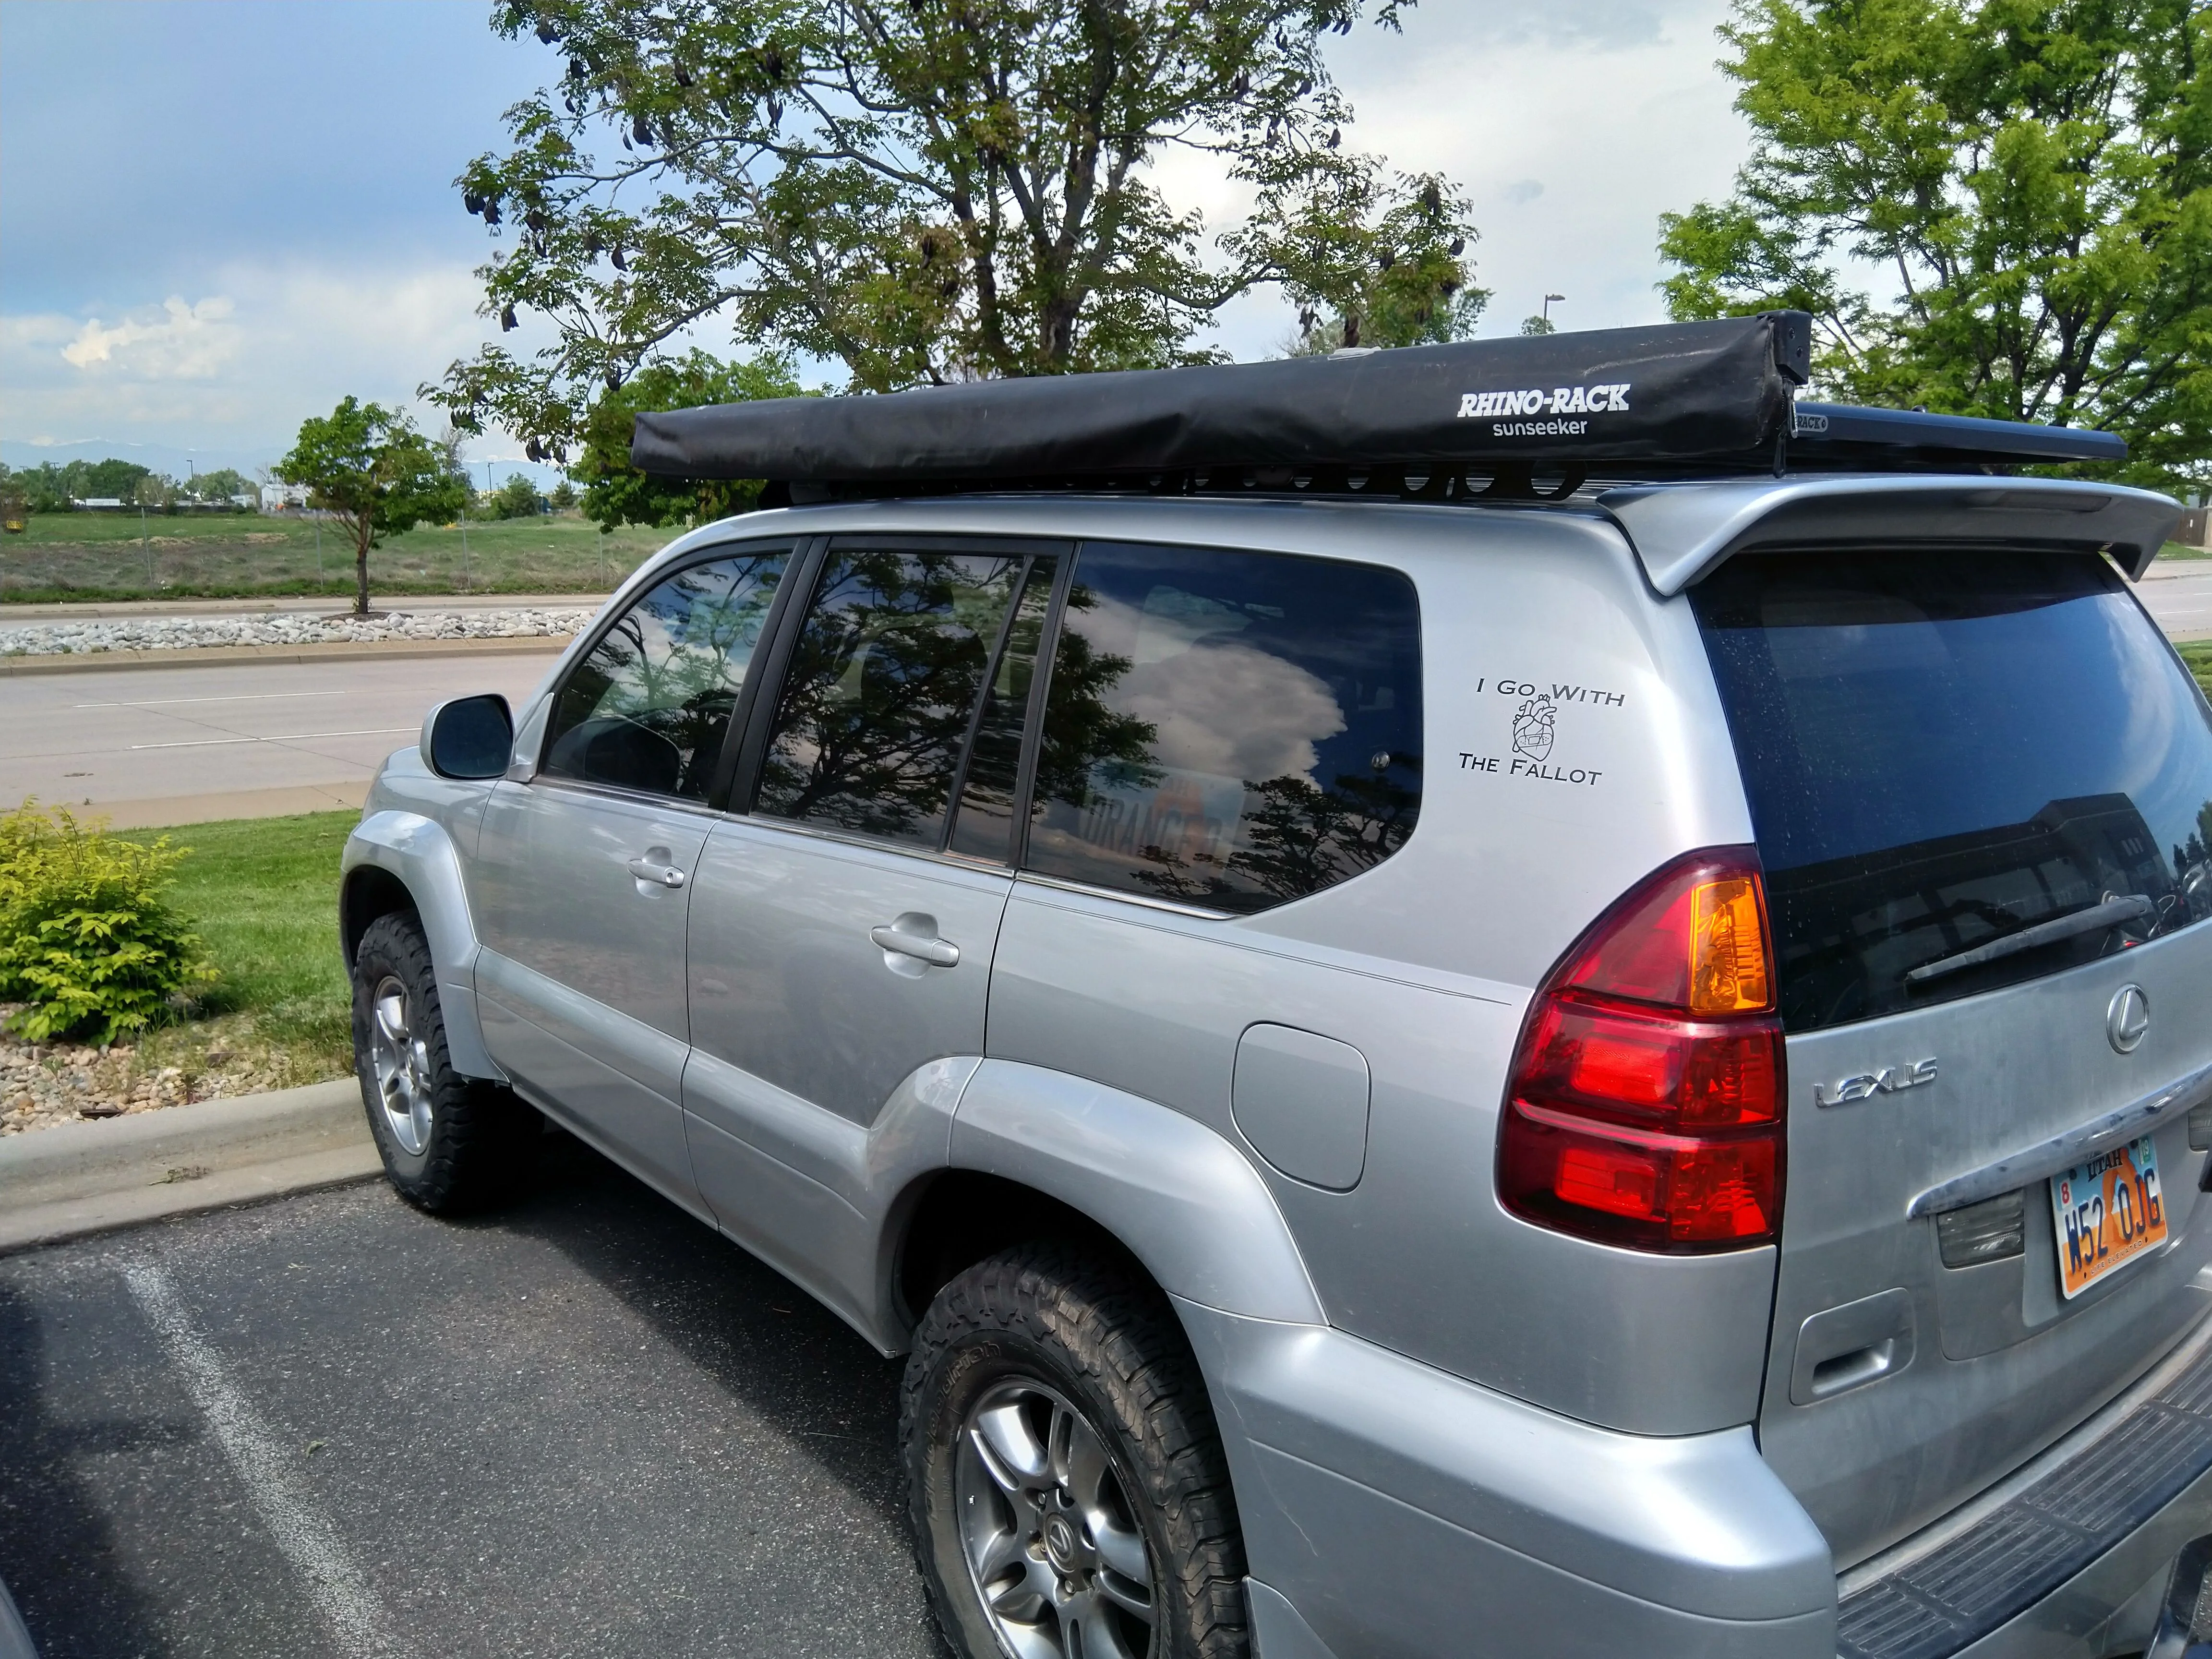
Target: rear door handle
pixel 661 875
pixel 919 943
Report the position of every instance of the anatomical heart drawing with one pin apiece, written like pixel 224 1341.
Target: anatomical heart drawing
pixel 1532 727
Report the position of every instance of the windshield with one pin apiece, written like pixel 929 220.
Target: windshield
pixel 1942 749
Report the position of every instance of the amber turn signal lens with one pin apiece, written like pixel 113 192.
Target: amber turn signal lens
pixel 1728 947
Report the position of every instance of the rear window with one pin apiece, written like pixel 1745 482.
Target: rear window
pixel 1942 750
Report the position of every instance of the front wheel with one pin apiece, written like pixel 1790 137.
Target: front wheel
pixel 449 1142
pixel 1066 1481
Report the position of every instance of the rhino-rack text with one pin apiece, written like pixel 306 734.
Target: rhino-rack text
pixel 1564 400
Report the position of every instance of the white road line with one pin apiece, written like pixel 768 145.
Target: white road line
pixel 340 1592
pixel 236 696
pixel 289 737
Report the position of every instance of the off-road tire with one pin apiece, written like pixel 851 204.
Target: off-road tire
pixel 483 1141
pixel 1108 1341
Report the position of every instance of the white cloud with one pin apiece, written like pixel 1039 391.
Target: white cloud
pixel 181 342
pixel 1573 126
pixel 268 345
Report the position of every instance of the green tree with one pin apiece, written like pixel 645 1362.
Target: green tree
pixel 617 492
pixel 1368 259
pixel 923 191
pixel 564 497
pixel 221 484
pixel 518 498
pixel 381 477
pixel 2032 177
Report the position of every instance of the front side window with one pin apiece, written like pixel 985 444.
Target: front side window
pixel 1228 729
pixel 648 707
pixel 1945 750
pixel 883 689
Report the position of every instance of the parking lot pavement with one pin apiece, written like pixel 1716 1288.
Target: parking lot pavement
pixel 330 1425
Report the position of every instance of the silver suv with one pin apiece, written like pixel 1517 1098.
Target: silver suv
pixel 1621 1073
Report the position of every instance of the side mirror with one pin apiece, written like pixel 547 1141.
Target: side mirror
pixel 469 737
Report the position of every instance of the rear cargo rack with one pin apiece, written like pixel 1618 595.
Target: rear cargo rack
pixel 1541 418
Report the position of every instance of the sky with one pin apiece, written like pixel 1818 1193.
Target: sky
pixel 218 216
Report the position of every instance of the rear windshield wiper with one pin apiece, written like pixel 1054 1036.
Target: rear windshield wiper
pixel 2112 913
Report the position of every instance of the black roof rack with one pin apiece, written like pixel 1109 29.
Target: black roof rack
pixel 1529 418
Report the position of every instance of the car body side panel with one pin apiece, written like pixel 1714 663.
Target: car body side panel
pixel 408 831
pixel 1573 743
pixel 815 1194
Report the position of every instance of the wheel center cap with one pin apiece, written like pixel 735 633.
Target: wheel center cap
pixel 1061 1542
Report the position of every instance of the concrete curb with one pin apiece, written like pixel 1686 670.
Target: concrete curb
pixel 92 1178
pixel 200 656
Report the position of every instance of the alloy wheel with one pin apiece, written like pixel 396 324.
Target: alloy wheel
pixel 1049 1531
pixel 401 1062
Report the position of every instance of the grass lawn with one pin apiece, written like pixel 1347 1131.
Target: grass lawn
pixel 2197 653
pixel 101 556
pixel 263 894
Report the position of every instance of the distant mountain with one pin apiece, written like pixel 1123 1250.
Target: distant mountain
pixel 161 457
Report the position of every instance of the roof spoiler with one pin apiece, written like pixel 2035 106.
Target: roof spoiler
pixel 1683 533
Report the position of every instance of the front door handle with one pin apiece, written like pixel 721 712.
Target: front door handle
pixel 660 875
pixel 915 937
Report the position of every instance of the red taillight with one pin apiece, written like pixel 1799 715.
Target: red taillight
pixel 1645 1107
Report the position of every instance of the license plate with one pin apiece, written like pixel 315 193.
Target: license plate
pixel 2108 1211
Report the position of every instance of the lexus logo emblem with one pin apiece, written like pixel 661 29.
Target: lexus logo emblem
pixel 2127 1019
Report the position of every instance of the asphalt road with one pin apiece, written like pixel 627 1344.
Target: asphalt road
pixel 330 1426
pixel 2178 593
pixel 147 736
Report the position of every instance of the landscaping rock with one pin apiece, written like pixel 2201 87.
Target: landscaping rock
pixel 283 629
pixel 44 1084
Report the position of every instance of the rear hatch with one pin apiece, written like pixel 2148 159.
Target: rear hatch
pixel 1981 784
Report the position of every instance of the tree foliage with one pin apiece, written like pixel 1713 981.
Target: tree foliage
pixel 2031 179
pixel 50 486
pixel 617 492
pixel 379 475
pixel 923 191
pixel 1368 257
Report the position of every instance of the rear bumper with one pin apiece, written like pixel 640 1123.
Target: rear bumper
pixel 1391 1509
pixel 2067 1557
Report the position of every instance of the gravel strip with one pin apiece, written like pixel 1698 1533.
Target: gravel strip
pixel 183 633
pixel 44 1084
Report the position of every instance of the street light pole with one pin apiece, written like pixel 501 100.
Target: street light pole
pixel 1548 298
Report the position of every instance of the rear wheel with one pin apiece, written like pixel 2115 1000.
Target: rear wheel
pixel 449 1143
pixel 1065 1478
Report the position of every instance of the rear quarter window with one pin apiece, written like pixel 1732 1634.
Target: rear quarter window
pixel 1227 729
pixel 1942 749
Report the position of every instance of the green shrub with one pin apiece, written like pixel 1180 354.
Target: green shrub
pixel 85 939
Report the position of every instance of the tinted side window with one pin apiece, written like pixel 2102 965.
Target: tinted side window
pixel 648 707
pixel 1228 729
pixel 883 687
